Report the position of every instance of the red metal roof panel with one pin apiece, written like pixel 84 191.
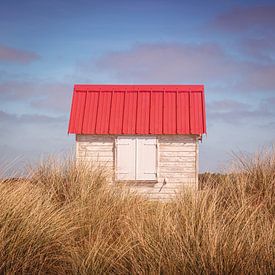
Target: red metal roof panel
pixel 117 110
pixel 183 118
pixel 138 109
pixel 77 113
pixel 169 113
pixel 90 117
pixel 156 112
pixel 103 112
pixel 196 117
pixel 130 113
pixel 143 112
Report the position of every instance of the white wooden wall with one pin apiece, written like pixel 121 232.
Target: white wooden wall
pixel 177 162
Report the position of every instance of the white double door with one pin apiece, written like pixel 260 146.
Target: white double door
pixel 136 158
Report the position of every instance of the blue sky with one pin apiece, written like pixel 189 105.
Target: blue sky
pixel 47 46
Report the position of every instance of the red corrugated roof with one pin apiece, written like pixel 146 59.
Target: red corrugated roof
pixel 138 109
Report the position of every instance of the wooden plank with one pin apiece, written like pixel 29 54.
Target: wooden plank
pixel 99 154
pixel 177 149
pixel 182 138
pixel 177 181
pixel 98 163
pixel 179 144
pixel 179 177
pixel 80 153
pixel 100 158
pixel 141 189
pixel 91 138
pixel 96 159
pixel 97 148
pixel 176 169
pixel 178 154
pixel 94 163
pixel 176 176
pixel 84 144
pixel 104 164
pixel 97 143
pixel 177 159
pixel 178 186
pixel 178 164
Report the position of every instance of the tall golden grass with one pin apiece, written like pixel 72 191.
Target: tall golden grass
pixel 66 219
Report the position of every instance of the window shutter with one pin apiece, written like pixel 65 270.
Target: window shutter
pixel 125 158
pixel 146 159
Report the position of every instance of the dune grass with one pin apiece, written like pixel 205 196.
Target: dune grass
pixel 65 219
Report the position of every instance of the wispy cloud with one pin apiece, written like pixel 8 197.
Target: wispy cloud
pixel 30 118
pixel 14 55
pixel 185 63
pixel 239 19
pixel 252 28
pixel 259 48
pixel 227 105
pixel 168 62
pixel 237 113
pixel 53 96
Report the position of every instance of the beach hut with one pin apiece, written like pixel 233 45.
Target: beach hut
pixel 146 135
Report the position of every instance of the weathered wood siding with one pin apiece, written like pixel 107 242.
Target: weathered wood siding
pixel 96 150
pixel 177 162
